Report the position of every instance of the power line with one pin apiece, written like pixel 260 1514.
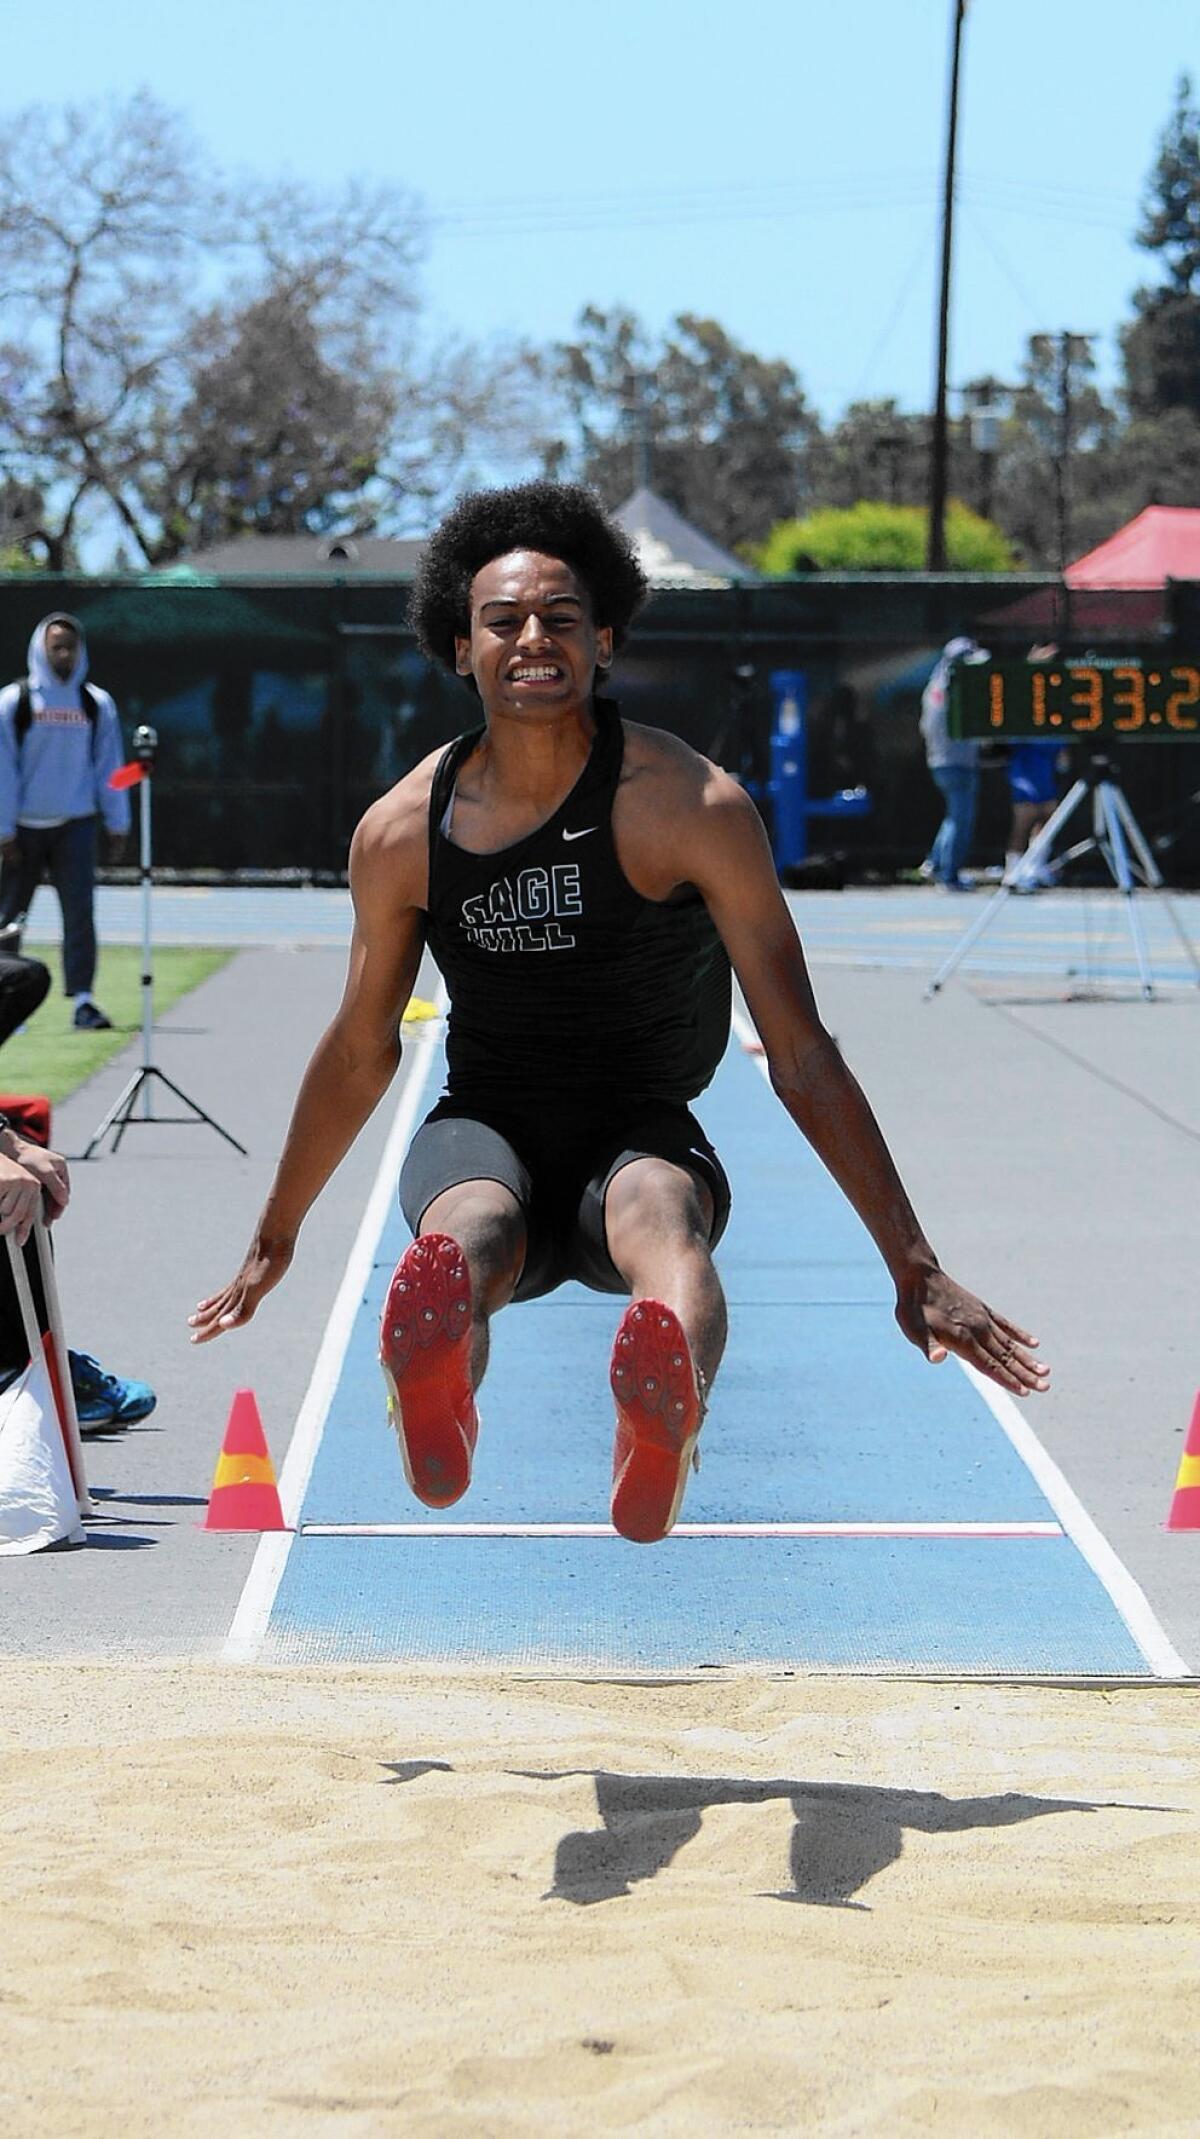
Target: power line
pixel 1034 309
pixel 908 283
pixel 781 200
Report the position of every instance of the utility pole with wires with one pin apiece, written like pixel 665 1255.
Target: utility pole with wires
pixel 935 559
pixel 1071 350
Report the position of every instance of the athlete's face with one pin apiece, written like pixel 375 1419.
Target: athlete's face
pixel 533 645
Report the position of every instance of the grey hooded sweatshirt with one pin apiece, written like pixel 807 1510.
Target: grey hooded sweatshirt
pixel 60 768
pixel 941 748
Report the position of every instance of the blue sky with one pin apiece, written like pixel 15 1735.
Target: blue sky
pixel 773 165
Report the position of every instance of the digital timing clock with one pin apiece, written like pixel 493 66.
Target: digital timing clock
pixel 1117 698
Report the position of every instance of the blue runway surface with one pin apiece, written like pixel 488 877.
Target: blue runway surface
pixel 1080 935
pixel 822 1415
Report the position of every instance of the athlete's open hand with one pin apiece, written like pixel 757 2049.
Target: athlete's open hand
pixel 234 1305
pixel 938 1316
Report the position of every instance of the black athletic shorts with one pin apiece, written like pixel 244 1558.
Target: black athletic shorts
pixel 558 1162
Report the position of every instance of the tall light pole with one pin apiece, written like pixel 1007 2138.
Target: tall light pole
pixel 935 558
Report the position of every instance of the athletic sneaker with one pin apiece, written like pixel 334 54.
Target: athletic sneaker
pixel 659 1413
pixel 105 1401
pixel 89 1017
pixel 425 1353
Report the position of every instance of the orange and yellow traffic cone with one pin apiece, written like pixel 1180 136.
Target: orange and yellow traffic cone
pixel 1185 1507
pixel 244 1493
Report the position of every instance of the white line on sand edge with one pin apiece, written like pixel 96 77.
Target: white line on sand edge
pixel 1130 1600
pixel 249 1624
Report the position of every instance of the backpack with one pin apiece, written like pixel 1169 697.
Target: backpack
pixel 23 716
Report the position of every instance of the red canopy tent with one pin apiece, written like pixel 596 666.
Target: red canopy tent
pixel 1162 543
pixel 1116 595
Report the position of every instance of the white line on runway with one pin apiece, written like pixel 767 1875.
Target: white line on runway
pixel 766 1530
pixel 266 1570
pixel 1129 1598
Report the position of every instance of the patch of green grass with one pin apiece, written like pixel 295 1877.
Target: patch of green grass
pixel 50 1056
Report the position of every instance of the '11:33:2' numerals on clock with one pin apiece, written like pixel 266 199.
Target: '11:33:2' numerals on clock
pixel 1113 698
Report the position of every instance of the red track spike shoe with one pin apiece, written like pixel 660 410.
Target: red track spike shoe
pixel 659 1413
pixel 424 1350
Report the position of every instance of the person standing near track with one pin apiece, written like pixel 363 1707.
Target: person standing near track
pixel 60 738
pixel 1032 769
pixel 954 769
pixel 585 884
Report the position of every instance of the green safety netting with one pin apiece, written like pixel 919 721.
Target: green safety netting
pixel 164 610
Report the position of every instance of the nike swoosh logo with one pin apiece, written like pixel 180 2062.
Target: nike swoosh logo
pixel 581 835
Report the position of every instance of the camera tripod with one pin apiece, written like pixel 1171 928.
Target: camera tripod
pixel 141 1085
pixel 1117 836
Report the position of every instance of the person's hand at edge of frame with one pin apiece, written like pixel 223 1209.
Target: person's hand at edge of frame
pixel 10 849
pixel 49 1169
pixel 115 844
pixel 34 1184
pixel 940 1316
pixel 265 1264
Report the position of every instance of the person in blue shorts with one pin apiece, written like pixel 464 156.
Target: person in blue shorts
pixel 1033 787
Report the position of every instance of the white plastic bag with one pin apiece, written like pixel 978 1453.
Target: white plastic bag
pixel 40 1503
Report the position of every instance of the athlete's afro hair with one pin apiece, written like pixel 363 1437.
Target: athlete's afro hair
pixel 557 520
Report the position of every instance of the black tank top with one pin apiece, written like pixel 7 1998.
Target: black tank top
pixel 563 980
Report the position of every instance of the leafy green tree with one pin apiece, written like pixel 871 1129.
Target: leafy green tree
pixel 1171 215
pixel 874 450
pixel 102 215
pixel 1056 449
pixel 1161 346
pixel 1153 460
pixel 716 430
pixel 22 512
pixel 185 358
pixel 272 437
pixel 874 537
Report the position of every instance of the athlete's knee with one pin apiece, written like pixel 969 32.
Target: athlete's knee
pixel 487 1222
pixel 654 1208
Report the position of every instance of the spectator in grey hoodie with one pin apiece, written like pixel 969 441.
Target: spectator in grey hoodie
pixel 954 768
pixel 60 739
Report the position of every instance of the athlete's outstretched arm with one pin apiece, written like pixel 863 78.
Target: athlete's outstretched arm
pixel 731 864
pixel 351 1067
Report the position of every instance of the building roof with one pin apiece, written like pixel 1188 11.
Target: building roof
pixel 672 552
pixel 1162 543
pixel 307 556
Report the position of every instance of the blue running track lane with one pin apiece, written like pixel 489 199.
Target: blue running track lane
pixel 856 1509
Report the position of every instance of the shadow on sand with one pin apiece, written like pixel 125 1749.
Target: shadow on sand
pixel 843 1834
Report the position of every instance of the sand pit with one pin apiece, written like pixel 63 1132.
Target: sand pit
pixel 386 1902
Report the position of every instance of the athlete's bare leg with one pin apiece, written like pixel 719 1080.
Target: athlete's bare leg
pixel 657 1220
pixel 433 1336
pixel 486 1220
